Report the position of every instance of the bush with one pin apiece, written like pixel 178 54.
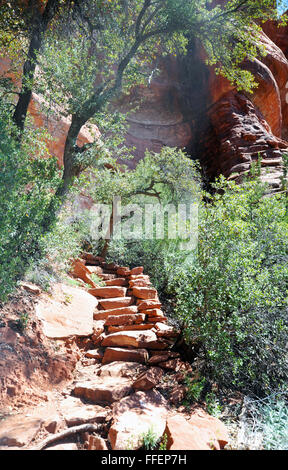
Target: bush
pixel 27 184
pixel 232 300
pixel 264 423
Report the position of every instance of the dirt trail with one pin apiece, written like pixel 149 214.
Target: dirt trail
pixel 124 380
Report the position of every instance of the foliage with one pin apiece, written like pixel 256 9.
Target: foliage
pixel 194 388
pixel 149 439
pixel 168 177
pixel 265 422
pixel 26 191
pixel 232 300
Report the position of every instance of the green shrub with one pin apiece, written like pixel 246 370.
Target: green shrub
pixel 27 183
pixel 264 423
pixel 232 299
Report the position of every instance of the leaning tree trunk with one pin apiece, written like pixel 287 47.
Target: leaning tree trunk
pixel 71 167
pixel 37 35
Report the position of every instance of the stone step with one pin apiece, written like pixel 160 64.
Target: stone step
pixel 140 356
pixel 145 339
pixel 104 314
pixel 95 270
pixel 117 302
pixel 145 293
pixel 119 281
pixel 144 305
pixel 104 390
pixel 108 292
pixel 143 326
pixel 118 320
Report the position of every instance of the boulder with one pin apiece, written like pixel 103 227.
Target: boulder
pixel 154 312
pixel 123 271
pixel 94 354
pixel 122 369
pixel 75 412
pixel 203 420
pixel 165 331
pixel 129 355
pixel 103 390
pixel 182 435
pixel 134 416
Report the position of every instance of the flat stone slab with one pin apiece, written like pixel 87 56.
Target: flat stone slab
pixel 116 302
pixel 129 355
pixel 19 430
pixel 76 413
pixel 104 314
pixel 108 292
pixel 103 390
pixel 69 313
pixel 134 339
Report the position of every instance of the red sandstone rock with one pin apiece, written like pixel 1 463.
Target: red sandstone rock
pixel 119 281
pixel 165 331
pixel 104 314
pixel 29 287
pixel 149 379
pixel 148 305
pixel 134 416
pixel 145 292
pixel 178 394
pixel 94 354
pixel 122 369
pixel 97 443
pixel 108 292
pixel 76 413
pixel 73 316
pixel 95 270
pixel 129 355
pixel 139 283
pixel 117 302
pixel 105 390
pixel 134 339
pixel 143 326
pixel 79 270
pixel 119 320
pixel 123 271
pixel 203 420
pixel 182 435
pixel 136 271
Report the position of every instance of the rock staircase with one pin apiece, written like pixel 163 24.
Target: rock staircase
pixel 129 324
pixel 127 382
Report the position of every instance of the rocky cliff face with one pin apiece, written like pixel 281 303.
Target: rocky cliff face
pixel 188 106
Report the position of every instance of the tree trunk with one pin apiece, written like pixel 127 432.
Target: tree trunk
pixel 38 31
pixel 71 168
